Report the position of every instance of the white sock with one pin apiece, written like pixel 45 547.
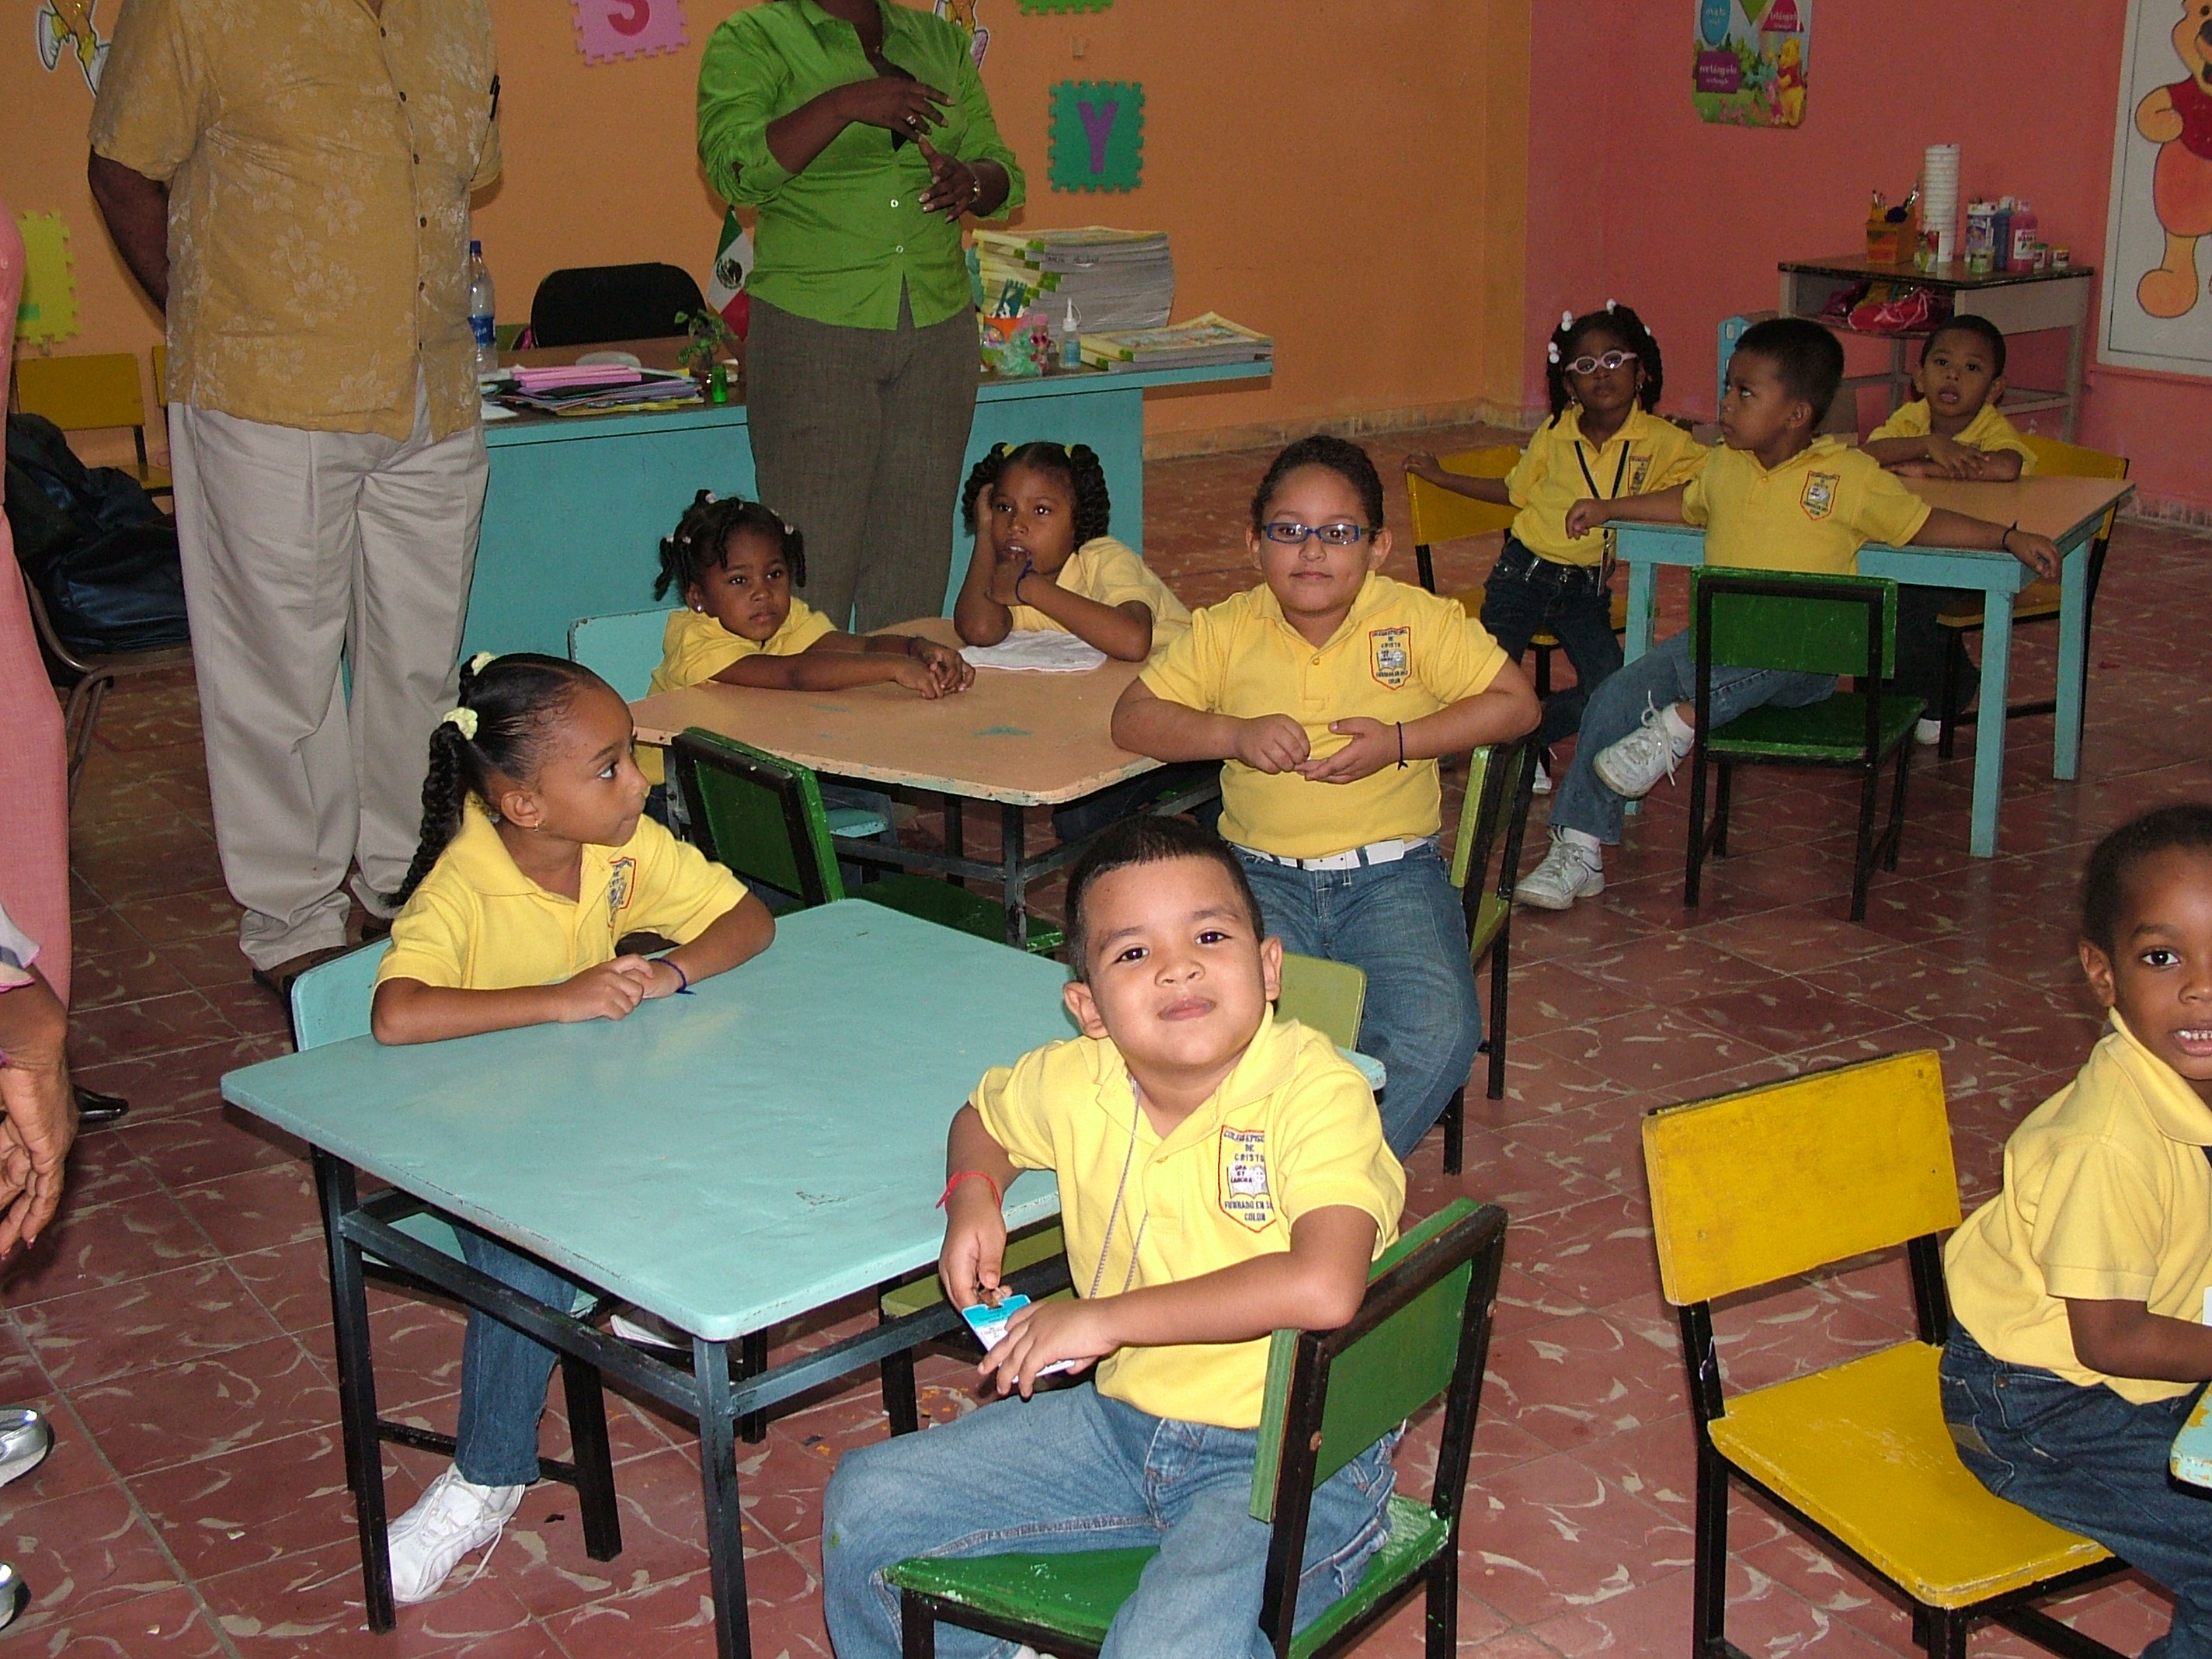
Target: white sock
pixel 1582 841
pixel 1680 734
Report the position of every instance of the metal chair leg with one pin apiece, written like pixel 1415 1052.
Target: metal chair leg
pixel 901 1402
pixel 917 1629
pixel 1456 1128
pixel 1501 978
pixel 1694 861
pixel 1862 861
pixel 1954 660
pixel 1897 808
pixel 594 1458
pixel 1723 798
pixel 1441 1632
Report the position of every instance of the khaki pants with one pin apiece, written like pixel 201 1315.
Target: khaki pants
pixel 305 551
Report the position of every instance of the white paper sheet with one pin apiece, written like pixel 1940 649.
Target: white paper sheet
pixel 1037 650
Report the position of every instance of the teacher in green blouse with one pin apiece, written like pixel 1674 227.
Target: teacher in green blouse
pixel 860 131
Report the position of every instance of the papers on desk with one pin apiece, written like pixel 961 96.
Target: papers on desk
pixel 1037 650
pixel 597 388
pixel 1201 343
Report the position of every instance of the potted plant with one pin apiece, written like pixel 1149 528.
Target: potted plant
pixel 711 338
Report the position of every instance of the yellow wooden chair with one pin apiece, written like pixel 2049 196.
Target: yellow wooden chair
pixel 1441 515
pixel 91 393
pixel 2036 603
pixel 1771 1182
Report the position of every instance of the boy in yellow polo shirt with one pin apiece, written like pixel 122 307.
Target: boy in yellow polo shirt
pixel 1329 692
pixel 1222 1176
pixel 2081 1294
pixel 1773 498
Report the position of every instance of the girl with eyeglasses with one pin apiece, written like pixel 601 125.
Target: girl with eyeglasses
pixel 1604 375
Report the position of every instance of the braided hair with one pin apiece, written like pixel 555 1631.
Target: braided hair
pixel 701 543
pixel 1340 456
pixel 1077 466
pixel 1624 325
pixel 509 703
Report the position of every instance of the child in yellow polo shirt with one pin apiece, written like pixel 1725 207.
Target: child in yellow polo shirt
pixel 1774 498
pixel 1222 1176
pixel 1329 692
pixel 536 858
pixel 2081 1294
pixel 1604 375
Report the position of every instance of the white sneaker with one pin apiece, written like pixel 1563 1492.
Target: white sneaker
pixel 25 1440
pixel 452 1517
pixel 1568 872
pixel 1631 766
pixel 1926 732
pixel 1543 783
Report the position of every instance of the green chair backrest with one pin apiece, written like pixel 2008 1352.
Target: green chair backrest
pixel 623 648
pixel 1381 1380
pixel 330 1003
pixel 1808 624
pixel 1325 995
pixel 760 815
pixel 1495 776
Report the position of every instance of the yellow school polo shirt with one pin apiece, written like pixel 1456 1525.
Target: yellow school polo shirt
pixel 477 923
pixel 1987 430
pixel 696 647
pixel 2107 1197
pixel 1559 468
pixel 1401 654
pixel 1811 513
pixel 1112 573
pixel 1292 1130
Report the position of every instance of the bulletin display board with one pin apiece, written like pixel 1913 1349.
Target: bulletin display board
pixel 1753 58
pixel 2157 312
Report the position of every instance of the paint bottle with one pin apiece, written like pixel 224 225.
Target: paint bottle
pixel 1070 343
pixel 1981 238
pixel 2023 238
pixel 2001 235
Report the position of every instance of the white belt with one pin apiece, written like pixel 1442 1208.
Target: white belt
pixel 1375 852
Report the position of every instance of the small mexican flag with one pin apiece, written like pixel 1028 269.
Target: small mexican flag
pixel 733 267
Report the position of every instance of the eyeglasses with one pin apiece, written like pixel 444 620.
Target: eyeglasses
pixel 1331 535
pixel 1591 365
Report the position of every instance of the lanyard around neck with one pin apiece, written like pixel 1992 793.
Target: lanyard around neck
pixel 1619 472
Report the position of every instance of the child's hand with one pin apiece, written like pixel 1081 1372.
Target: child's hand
pixel 1952 459
pixel 1272 744
pixel 661 979
pixel 1423 464
pixel 948 669
pixel 1373 746
pixel 975 1249
pixel 1044 1334
pixel 1005 584
pixel 1585 516
pixel 609 990
pixel 2038 553
pixel 916 674
pixel 1916 469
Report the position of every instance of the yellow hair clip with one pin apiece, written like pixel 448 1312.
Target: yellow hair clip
pixel 478 662
pixel 462 721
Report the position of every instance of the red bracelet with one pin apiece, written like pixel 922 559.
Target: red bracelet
pixel 946 1197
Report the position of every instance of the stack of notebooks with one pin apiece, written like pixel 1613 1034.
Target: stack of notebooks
pixel 599 389
pixel 1116 279
pixel 1199 343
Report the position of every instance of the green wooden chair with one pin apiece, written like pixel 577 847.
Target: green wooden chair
pixel 1325 995
pixel 1810 624
pixel 1501 780
pixel 331 1003
pixel 763 817
pixel 1422 1333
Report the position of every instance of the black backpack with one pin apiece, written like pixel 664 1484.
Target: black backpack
pixel 91 540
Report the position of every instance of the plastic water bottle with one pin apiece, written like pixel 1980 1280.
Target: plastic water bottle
pixel 480 313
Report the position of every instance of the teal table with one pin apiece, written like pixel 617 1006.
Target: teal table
pixel 729 1160
pixel 2067 510
pixel 576 507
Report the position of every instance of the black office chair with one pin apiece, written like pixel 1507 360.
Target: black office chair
pixel 590 304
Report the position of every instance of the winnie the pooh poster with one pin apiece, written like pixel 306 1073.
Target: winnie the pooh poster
pixel 1751 63
pixel 2158 311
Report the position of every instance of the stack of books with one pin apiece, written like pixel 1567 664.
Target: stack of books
pixel 600 389
pixel 1114 279
pixel 1201 342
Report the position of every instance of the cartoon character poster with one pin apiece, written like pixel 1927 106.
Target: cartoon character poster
pixel 65 28
pixel 2158 311
pixel 1752 60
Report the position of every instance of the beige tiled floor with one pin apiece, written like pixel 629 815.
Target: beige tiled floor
pixel 176 1323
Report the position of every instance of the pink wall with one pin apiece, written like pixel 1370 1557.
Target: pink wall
pixel 1631 196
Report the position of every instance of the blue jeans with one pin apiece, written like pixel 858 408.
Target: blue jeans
pixel 1664 675
pixel 1525 596
pixel 1072 1470
pixel 1401 925
pixel 503 1372
pixel 2090 1461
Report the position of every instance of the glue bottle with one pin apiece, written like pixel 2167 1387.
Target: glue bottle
pixel 2023 238
pixel 1070 343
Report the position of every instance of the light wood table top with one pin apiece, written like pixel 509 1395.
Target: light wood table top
pixel 1022 739
pixel 2055 508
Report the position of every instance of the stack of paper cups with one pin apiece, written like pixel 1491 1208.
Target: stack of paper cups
pixel 1939 199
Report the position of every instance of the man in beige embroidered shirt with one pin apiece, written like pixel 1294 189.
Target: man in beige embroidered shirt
pixel 290 181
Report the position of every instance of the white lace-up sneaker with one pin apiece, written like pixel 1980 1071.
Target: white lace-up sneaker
pixel 1543 785
pixel 1568 872
pixel 25 1440
pixel 1632 765
pixel 1927 732
pixel 452 1517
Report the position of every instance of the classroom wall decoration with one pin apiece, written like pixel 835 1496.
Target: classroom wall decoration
pixel 2157 313
pixel 47 311
pixel 1753 58
pixel 1098 134
pixel 608 29
pixel 963 12
pixel 64 28
pixel 1034 6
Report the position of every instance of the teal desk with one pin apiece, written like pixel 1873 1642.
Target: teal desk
pixel 730 1160
pixel 576 507
pixel 2067 510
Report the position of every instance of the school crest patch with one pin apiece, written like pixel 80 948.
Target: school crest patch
pixel 1391 655
pixel 1639 468
pixel 1819 497
pixel 1245 1195
pixel 622 881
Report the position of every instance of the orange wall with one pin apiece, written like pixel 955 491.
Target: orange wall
pixel 1635 198
pixel 1346 175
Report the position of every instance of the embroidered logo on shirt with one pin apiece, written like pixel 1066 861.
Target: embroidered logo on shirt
pixel 1389 655
pixel 621 881
pixel 1244 1194
pixel 1639 468
pixel 1819 497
